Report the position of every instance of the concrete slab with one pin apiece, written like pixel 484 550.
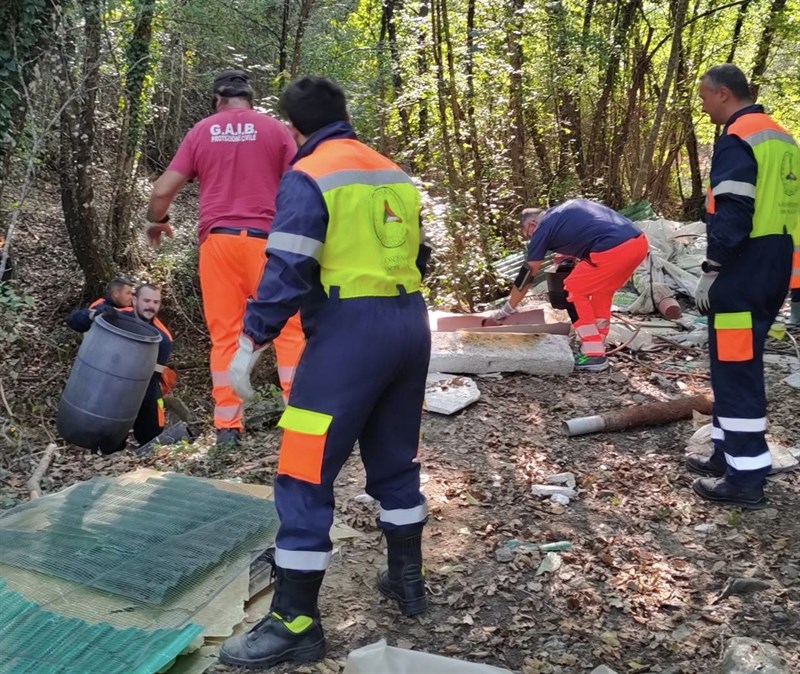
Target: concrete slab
pixel 479 353
pixel 544 328
pixel 449 322
pixel 448 394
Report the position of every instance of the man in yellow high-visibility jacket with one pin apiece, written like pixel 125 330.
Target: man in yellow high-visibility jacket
pixel 346 249
pixel 753 214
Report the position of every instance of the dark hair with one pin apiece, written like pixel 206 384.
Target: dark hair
pixel 141 286
pixel 118 284
pixel 729 76
pixel 313 102
pixel 232 84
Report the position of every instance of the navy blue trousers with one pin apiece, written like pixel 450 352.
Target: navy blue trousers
pixel 361 378
pixel 745 299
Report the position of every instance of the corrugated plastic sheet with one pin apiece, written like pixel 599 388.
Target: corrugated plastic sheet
pixel 35 641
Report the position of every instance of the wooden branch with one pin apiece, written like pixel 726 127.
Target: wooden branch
pixel 44 463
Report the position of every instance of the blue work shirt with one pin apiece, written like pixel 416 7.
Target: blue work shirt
pixel 579 227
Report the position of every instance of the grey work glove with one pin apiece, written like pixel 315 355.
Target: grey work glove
pixel 504 313
pixel 703 289
pixel 244 360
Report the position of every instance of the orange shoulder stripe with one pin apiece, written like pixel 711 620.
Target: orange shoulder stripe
pixel 346 154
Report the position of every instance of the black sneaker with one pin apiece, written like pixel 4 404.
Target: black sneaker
pixel 228 438
pixel 590 363
pixel 719 490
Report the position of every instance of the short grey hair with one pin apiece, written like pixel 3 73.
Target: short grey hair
pixel 732 78
pixel 531 214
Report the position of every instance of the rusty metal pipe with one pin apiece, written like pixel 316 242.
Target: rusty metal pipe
pixel 649 414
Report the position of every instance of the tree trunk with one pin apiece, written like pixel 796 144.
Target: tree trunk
pixel 283 45
pixel 646 161
pixel 138 70
pixel 76 153
pixel 516 145
pixel 598 147
pixel 767 36
pixel 302 23
pixel 389 34
pixel 737 29
pixel 441 92
pixel 474 142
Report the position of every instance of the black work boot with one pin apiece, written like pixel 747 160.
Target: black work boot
pixel 404 579
pixel 720 490
pixel 228 438
pixel 711 466
pixel 291 632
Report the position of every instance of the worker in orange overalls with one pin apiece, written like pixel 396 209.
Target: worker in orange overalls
pixel 238 155
pixel 608 246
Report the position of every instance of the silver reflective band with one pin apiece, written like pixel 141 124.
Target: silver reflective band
pixel 586 331
pixel 749 462
pixel 295 243
pixel 403 516
pixel 735 187
pixel 158 368
pixel 768 134
pixel 285 373
pixel 356 177
pixel 227 412
pixel 302 560
pixel 220 378
pixel 717 433
pixel 743 425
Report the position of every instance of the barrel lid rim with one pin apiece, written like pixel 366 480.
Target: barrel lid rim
pixel 155 338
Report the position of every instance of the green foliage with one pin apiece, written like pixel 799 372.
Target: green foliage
pixel 15 310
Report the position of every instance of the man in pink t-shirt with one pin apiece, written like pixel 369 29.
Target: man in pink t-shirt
pixel 238 156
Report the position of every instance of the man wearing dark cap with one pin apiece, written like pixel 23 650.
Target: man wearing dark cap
pixel 238 156
pixel 347 250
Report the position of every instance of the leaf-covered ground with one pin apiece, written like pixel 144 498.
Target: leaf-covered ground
pixel 638 590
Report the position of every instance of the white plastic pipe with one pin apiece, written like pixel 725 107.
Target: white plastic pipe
pixel 584 425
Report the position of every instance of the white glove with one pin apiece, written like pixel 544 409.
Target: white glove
pixel 703 288
pixel 505 312
pixel 244 360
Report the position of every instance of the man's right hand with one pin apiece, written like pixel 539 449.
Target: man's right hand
pixel 244 360
pixel 155 230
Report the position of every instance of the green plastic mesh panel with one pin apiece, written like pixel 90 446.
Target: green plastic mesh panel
pixel 35 641
pixel 148 541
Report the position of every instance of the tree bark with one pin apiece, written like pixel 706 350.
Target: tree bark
pixel 302 22
pixel 516 145
pixel 737 29
pixel 646 161
pixel 474 142
pixel 76 154
pixel 441 93
pixel 767 37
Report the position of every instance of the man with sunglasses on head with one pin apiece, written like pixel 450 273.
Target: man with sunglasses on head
pixel 238 155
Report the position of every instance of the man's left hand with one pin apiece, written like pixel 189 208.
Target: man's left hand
pixel 244 360
pixel 155 230
pixel 701 295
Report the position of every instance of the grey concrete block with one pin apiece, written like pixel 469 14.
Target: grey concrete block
pixel 479 353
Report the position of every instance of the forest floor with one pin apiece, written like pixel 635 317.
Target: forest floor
pixel 638 589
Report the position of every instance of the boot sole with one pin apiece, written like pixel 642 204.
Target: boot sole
pixel 592 368
pixel 407 607
pixel 312 653
pixel 708 496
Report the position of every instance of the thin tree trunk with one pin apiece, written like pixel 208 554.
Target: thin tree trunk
pixel 767 36
pixel 76 156
pixel 302 23
pixel 389 34
pixel 138 69
pixel 474 142
pixel 516 145
pixel 283 44
pixel 737 29
pixel 646 161
pixel 441 92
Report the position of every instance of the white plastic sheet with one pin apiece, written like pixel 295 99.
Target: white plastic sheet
pixel 378 658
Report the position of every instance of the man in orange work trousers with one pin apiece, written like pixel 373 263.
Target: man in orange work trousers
pixel 238 156
pixel 608 246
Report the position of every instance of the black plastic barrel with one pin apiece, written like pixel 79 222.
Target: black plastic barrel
pixel 555 288
pixel 108 382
